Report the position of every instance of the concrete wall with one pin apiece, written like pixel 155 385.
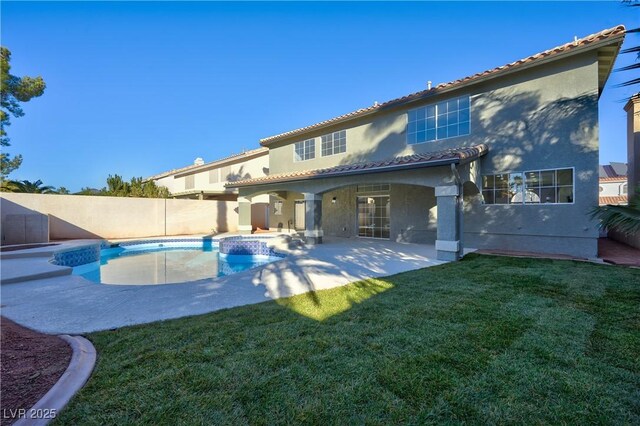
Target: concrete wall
pixel 632 240
pixel 75 216
pixel 545 117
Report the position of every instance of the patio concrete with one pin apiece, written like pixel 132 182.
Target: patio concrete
pixel 72 305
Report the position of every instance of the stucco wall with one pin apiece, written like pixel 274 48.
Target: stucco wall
pixel 74 216
pixel 544 117
pixel 247 169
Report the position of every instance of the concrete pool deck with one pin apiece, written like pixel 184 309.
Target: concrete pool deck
pixel 72 305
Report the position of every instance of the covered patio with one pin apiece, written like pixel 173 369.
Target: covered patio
pixel 302 199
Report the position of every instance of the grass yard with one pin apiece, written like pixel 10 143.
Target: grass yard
pixel 488 339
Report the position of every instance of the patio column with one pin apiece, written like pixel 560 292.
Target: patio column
pixel 313 218
pixel 448 246
pixel 244 215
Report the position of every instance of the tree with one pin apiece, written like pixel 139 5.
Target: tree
pixel 63 191
pixel 634 49
pixel 13 91
pixel 625 219
pixel 28 187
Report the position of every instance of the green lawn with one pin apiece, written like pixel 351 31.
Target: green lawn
pixel 488 339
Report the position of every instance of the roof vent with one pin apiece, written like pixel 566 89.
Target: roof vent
pixel 429 85
pixel 198 161
pixel 575 40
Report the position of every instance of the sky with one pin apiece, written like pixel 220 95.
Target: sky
pixel 140 88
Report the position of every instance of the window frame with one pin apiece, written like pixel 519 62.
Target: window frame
pixel 523 173
pixel 333 143
pixel 313 151
pixel 435 118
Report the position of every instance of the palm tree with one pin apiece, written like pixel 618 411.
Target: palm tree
pixel 29 187
pixel 625 219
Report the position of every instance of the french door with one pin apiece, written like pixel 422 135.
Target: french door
pixel 373 216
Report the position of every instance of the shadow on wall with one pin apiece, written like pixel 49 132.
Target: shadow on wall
pixel 62 230
pixel 237 176
pixel 221 221
pixel 512 123
pixel 21 225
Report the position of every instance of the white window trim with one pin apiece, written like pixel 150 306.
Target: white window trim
pixel 314 150
pixel 332 144
pixel 573 187
pixel 442 139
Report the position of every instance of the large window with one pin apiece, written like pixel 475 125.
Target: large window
pixel 334 143
pixel 305 150
pixel 532 187
pixel 443 120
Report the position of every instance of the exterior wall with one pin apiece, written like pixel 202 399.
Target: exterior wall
pixel 75 216
pixel 633 143
pixel 285 221
pixel 545 117
pixel 247 169
pixel 612 189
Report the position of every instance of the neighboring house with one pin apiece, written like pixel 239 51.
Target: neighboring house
pixel 613 184
pixel 506 158
pixel 206 181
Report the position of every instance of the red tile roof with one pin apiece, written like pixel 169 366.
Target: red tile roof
pixel 611 33
pixel 613 200
pixel 448 156
pixel 613 179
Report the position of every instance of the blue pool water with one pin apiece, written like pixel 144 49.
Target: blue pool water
pixel 163 264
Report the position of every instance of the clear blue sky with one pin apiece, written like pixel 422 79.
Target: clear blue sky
pixel 140 88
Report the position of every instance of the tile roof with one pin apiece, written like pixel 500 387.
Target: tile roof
pixel 613 200
pixel 613 179
pixel 617 31
pixel 448 156
pixel 219 161
pixel 613 169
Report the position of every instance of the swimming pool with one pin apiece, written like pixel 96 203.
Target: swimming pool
pixel 166 262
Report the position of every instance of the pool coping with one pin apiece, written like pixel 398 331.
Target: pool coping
pixel 39 263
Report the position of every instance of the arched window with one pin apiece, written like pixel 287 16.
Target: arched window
pixel 601 188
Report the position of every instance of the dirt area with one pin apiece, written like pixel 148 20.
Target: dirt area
pixel 31 363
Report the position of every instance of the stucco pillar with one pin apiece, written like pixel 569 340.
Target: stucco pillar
pixel 313 218
pixel 633 144
pixel 244 215
pixel 448 244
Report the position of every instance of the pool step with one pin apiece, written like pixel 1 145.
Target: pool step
pixel 30 268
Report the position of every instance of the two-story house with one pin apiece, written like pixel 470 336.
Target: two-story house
pixel 506 158
pixel 613 184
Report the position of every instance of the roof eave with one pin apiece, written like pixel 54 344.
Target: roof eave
pixel 434 163
pixel 433 92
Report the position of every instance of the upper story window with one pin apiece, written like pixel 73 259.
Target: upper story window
pixel 334 143
pixel 443 120
pixel 214 176
pixel 190 182
pixel 305 150
pixel 623 189
pixel 532 187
